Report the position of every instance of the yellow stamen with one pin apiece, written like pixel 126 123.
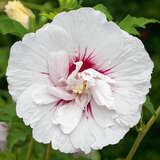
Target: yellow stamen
pixel 79 89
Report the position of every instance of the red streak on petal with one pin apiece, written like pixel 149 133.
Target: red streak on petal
pixel 88 62
pixel 83 112
pixel 72 67
pixel 66 102
pixel 58 102
pixel 63 102
pixel 84 54
pixel 106 71
pixel 46 73
pixel 89 109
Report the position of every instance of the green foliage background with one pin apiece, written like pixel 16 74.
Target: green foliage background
pixel 19 135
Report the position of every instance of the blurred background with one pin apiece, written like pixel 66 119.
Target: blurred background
pixel 19 135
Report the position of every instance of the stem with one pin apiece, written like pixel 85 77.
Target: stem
pixel 48 152
pixel 29 153
pixel 142 134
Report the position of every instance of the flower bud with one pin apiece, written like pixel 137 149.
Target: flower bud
pixel 3 135
pixel 16 10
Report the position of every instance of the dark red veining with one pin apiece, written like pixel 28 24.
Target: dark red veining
pixel 62 102
pixel 46 73
pixel 89 109
pixel 88 62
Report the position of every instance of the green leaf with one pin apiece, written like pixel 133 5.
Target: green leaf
pixel 32 24
pixel 42 20
pixel 130 24
pixel 9 26
pixel 68 4
pixel 3 60
pixel 148 104
pixel 17 133
pixel 7 156
pixel 51 15
pixel 7 113
pixel 102 8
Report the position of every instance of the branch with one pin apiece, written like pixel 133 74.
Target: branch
pixel 142 133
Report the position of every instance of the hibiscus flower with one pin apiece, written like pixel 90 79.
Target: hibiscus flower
pixel 79 81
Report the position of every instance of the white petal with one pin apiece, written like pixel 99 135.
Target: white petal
pixel 71 78
pixel 132 73
pixel 29 111
pixel 81 137
pixel 40 119
pixel 115 133
pixel 129 120
pixel 58 66
pixel 45 94
pixel 98 133
pixel 54 37
pixel 134 63
pixel 102 94
pixel 89 135
pixel 24 68
pixel 60 93
pixel 89 28
pixel 127 101
pixel 103 116
pixel 29 57
pixel 44 129
pixel 62 142
pixel 104 137
pixel 41 95
pixel 67 116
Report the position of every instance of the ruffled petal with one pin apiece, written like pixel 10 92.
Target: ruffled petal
pixel 89 135
pixel 40 119
pixel 115 133
pixel 23 70
pixel 42 96
pixel 45 94
pixel 29 111
pixel 102 93
pixel 62 142
pixel 103 116
pixel 28 60
pixel 129 120
pixel 67 116
pixel 126 101
pixel 82 137
pixel 58 66
pixel 89 27
pixel 132 75
pixel 43 130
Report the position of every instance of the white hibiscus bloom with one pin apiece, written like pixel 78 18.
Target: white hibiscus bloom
pixel 3 135
pixel 80 81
